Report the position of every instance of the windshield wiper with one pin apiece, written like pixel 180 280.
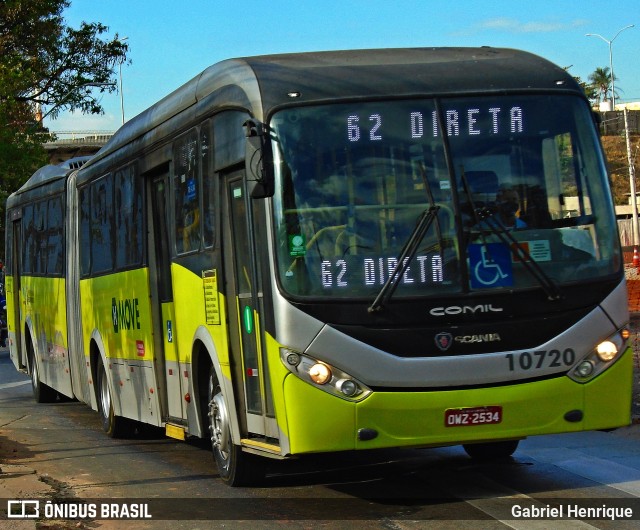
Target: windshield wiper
pixel 408 253
pixel 488 218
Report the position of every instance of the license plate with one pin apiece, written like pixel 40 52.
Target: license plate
pixel 472 416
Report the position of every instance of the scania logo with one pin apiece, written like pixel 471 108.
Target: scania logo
pixel 444 340
pixel 464 310
pixel 470 339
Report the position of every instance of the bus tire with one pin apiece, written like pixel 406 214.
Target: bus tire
pixel 41 393
pixel 236 468
pixel 491 450
pixel 114 426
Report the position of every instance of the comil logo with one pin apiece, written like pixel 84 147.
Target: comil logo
pixel 464 310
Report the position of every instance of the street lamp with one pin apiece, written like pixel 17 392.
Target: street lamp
pixel 610 43
pixel 121 92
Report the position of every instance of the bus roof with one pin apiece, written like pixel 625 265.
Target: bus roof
pixel 263 83
pixel 49 174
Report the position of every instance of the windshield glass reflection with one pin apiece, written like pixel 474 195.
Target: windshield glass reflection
pixel 354 180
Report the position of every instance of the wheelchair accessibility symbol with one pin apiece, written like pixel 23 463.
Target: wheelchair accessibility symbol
pixel 490 265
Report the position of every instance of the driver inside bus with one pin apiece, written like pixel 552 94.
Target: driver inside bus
pixel 508 208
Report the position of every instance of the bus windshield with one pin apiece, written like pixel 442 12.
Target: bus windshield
pixel 354 180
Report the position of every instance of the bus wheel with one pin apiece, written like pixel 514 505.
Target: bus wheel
pixel 236 468
pixel 491 450
pixel 114 426
pixel 41 393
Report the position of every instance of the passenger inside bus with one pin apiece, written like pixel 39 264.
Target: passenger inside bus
pixel 190 219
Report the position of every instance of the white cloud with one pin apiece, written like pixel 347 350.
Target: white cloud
pixel 510 25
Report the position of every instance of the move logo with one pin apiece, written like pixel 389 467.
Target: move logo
pixel 125 314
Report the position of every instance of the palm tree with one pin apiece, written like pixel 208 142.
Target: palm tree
pixel 601 82
pixel 592 93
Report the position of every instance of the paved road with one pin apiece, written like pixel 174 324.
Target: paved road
pixel 59 451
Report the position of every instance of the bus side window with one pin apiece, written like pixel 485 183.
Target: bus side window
pixel 128 218
pixel 40 221
pixel 102 225
pixel 186 196
pixel 55 251
pixel 29 257
pixel 85 231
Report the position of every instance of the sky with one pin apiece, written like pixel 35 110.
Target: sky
pixel 171 42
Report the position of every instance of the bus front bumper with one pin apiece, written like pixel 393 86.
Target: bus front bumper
pixel 318 422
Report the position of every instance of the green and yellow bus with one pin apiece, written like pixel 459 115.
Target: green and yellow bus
pixel 333 251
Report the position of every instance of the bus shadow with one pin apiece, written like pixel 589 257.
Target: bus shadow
pixel 349 469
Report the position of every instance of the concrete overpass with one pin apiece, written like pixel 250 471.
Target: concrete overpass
pixel 69 144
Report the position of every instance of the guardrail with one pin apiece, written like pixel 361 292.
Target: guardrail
pixel 79 138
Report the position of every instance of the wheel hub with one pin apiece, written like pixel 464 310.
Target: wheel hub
pixel 219 424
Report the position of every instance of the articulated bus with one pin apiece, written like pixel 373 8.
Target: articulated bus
pixel 333 251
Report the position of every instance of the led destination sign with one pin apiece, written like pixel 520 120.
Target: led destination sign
pixel 491 121
pixel 374 271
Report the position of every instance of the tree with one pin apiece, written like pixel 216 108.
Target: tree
pixel 601 82
pixel 589 91
pixel 46 67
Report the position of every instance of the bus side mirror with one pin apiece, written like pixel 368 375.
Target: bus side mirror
pixel 258 160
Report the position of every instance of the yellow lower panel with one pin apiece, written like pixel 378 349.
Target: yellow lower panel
pixel 319 422
pixel 528 409
pixel 316 420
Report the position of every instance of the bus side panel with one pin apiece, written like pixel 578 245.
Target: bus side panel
pixel 193 310
pixel 117 308
pixel 46 308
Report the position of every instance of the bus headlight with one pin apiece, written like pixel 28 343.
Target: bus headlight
pixel 584 369
pixel 324 376
pixel 602 356
pixel 348 387
pixel 320 374
pixel 606 350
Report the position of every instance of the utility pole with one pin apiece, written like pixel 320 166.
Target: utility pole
pixel 632 185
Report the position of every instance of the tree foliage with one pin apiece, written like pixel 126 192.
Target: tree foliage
pixel 589 90
pixel 600 81
pixel 46 67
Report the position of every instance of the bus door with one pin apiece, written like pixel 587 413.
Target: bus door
pixel 244 299
pixel 168 369
pixel 12 289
